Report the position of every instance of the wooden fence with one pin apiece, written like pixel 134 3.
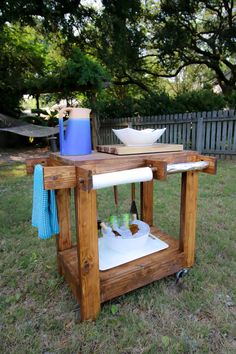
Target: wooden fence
pixel 207 132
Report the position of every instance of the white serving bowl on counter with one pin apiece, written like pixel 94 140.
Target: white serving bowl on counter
pixel 122 244
pixel 133 137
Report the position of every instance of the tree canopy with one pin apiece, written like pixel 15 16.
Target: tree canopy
pixel 197 32
pixel 54 46
pixel 144 41
pixel 31 63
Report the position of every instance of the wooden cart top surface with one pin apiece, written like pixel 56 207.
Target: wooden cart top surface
pixel 99 158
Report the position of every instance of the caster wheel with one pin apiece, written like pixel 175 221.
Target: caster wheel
pixel 181 273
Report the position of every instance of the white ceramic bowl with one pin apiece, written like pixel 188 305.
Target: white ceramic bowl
pixel 133 137
pixel 123 245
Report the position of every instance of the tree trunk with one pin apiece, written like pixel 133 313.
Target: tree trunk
pixel 37 103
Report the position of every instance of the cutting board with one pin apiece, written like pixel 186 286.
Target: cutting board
pixel 121 149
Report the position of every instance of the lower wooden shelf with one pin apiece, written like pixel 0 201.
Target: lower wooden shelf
pixel 129 276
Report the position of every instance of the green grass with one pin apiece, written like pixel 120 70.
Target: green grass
pixel 196 316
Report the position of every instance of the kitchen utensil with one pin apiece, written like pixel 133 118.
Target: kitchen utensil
pixel 115 189
pixel 133 207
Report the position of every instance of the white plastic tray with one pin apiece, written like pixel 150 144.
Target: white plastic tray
pixel 110 259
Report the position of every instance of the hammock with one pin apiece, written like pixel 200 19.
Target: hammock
pixel 17 126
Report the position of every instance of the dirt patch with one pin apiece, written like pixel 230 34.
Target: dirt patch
pixel 9 156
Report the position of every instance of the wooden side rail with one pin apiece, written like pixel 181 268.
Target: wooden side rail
pixel 60 177
pixel 212 167
pixel 31 162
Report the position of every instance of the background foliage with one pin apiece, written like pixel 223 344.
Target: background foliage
pixel 119 57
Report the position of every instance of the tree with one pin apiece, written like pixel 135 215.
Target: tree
pixel 22 57
pixel 192 32
pixel 31 63
pixel 76 73
pixel 118 40
pixel 142 41
pixel 55 15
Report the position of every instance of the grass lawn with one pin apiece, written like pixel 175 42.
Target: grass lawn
pixel 196 316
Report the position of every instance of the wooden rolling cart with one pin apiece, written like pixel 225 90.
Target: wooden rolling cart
pixel 79 264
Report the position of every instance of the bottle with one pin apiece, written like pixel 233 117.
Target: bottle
pixel 114 222
pixel 105 229
pixel 125 221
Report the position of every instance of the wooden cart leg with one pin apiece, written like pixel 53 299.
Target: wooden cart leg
pixel 63 239
pixel 146 191
pixel 87 245
pixel 188 212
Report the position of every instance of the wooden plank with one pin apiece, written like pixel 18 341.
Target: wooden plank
pixel 175 133
pixel 188 210
pixel 194 136
pixel 208 127
pixel 213 136
pixel 164 136
pixel 31 162
pixel 161 139
pixel 159 169
pixel 184 135
pixel 180 133
pixel 224 136
pixel 234 134
pixel 129 150
pixel 218 136
pixel 171 138
pixel 188 136
pixel 59 177
pixel 167 133
pixel 146 202
pixel 102 163
pixel 63 239
pixel 230 135
pixel 212 168
pixel 143 274
pixel 172 158
pixel 63 210
pixel 87 248
pixel 142 271
pixel 68 263
pixel 200 135
pixel 130 276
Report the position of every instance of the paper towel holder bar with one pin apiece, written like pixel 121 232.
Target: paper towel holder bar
pixel 61 177
pixel 201 163
pixel 159 172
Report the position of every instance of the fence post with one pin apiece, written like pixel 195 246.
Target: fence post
pixel 200 136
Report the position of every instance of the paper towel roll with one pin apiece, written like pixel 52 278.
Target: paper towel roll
pixel 121 177
pixel 187 166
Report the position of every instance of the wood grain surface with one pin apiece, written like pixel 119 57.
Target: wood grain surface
pixel 129 276
pixel 87 250
pixel 189 189
pixel 131 150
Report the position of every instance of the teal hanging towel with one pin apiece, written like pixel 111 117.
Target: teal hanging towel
pixel 44 212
